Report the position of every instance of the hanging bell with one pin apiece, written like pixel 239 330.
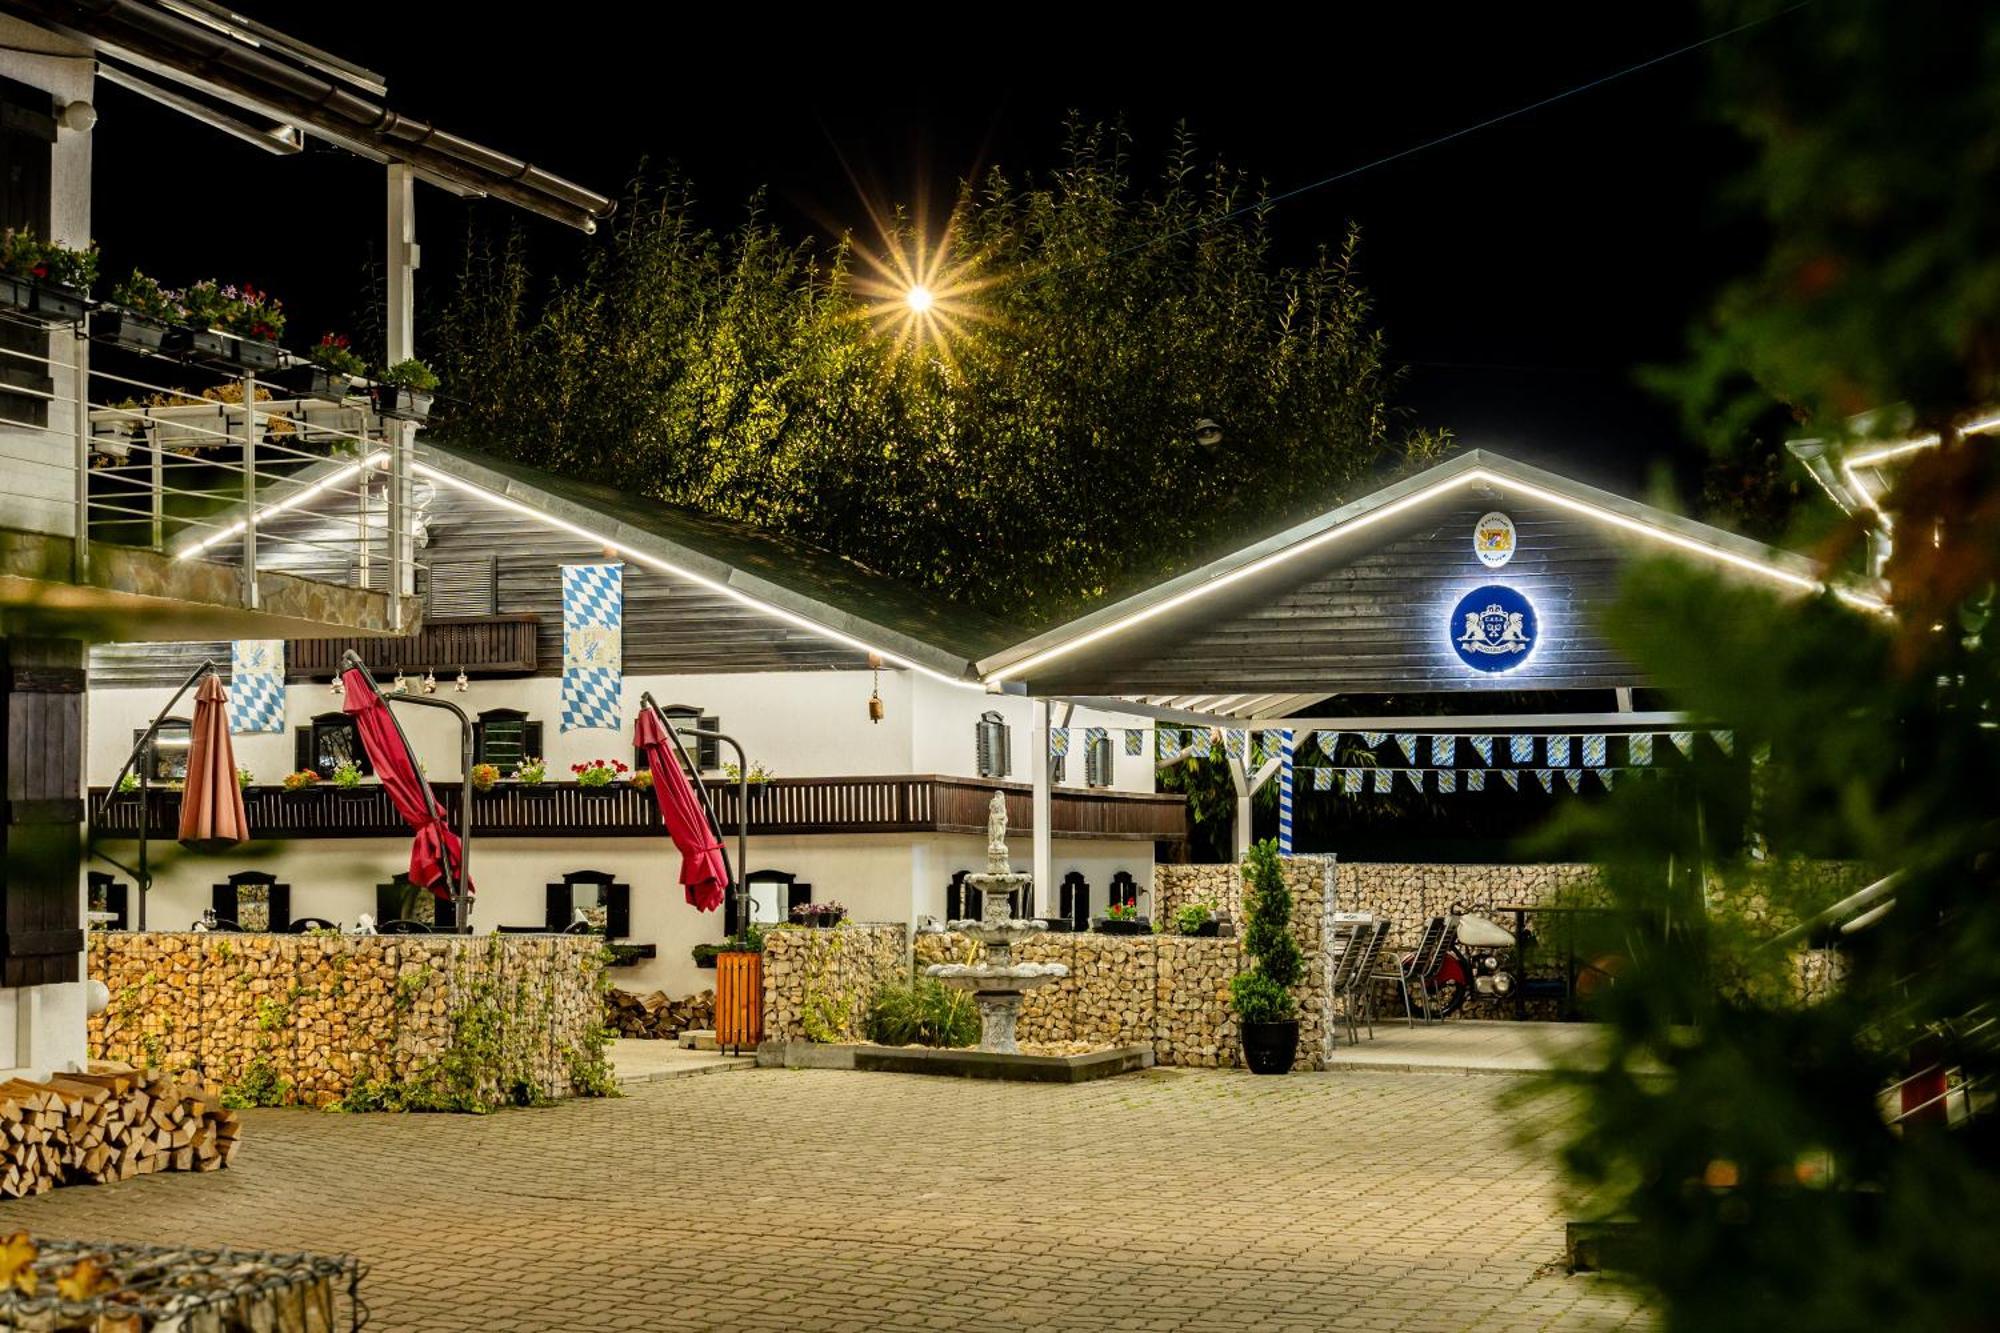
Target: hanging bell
pixel 463 683
pixel 875 706
pixel 430 682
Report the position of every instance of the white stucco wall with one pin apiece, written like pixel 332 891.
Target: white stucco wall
pixel 946 715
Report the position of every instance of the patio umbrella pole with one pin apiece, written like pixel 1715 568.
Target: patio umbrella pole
pixel 459 907
pixel 141 878
pixel 737 883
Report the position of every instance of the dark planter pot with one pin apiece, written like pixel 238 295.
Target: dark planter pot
pixel 134 333
pixel 400 402
pixel 44 300
pixel 256 354
pixel 1207 930
pixel 1106 926
pixel 535 791
pixel 315 381
pixel 706 961
pixel 1270 1048
pixel 208 345
pixel 605 792
pixel 1059 924
pixel 821 923
pixel 363 793
pixel 299 793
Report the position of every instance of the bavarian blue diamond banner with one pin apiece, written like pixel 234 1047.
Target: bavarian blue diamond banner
pixel 1521 749
pixel 1135 742
pixel 1447 779
pixel 1593 752
pixel 1236 743
pixel 1444 750
pixel 1574 777
pixel 1373 738
pixel 1350 781
pixel 256 685
pixel 1726 740
pixel 593 677
pixel 1512 776
pixel 1058 742
pixel 1385 780
pixel 1322 779
pixel 1558 751
pixel 1475 779
pixel 1483 747
pixel 1329 744
pixel 1640 748
pixel 1684 742
pixel 1408 745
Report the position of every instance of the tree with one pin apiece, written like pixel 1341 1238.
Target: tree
pixel 1040 451
pixel 1742 1121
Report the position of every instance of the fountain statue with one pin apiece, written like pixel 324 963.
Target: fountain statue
pixel 998 983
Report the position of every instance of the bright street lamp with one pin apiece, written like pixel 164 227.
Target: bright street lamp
pixel 919 299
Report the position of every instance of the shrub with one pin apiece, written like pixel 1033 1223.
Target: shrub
pixel 1191 917
pixel 1263 994
pixel 924 1013
pixel 1122 912
pixel 146 298
pixel 484 776
pixel 347 774
pixel 534 772
pixel 411 374
pixel 333 352
pixel 300 780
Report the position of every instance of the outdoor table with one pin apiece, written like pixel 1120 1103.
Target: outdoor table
pixel 1521 911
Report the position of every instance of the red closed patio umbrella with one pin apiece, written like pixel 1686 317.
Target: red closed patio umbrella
pixel 437 858
pixel 704 869
pixel 212 816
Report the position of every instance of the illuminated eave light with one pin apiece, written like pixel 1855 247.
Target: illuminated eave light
pixel 293 501
pixel 1475 477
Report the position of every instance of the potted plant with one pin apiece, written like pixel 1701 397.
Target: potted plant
pixel 739 990
pixel 704 955
pixel 1262 996
pixel 818 916
pixel 245 779
pixel 142 317
pixel 532 775
pixel 347 780
pixel 595 778
pixel 301 783
pixel 258 321
pixel 1122 919
pixel 41 278
pixel 484 776
pixel 404 391
pixel 328 372
pixel 753 781
pixel 1197 919
pixel 642 779
pixel 128 787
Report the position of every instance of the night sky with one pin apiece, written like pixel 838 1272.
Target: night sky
pixel 1521 273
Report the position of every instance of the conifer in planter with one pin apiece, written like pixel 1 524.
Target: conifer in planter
pixel 1262 996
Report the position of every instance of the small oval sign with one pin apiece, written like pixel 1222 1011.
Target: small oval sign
pixel 1493 628
pixel 1493 539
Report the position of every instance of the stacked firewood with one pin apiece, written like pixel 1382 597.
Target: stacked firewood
pixel 110 1123
pixel 655 1017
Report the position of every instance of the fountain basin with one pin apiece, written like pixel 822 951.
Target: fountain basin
pixel 997 976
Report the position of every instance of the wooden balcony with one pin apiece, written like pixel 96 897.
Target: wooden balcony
pixel 903 803
pixel 489 645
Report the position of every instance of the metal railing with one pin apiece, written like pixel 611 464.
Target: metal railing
pixel 283 470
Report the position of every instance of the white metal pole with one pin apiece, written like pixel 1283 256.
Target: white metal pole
pixel 1042 814
pixel 80 405
pixel 399 339
pixel 250 594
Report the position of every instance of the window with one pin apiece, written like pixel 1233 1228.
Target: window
pixel 330 740
pixel 1124 889
pixel 166 760
pixel 504 737
pixel 705 751
pixel 963 902
pixel 1097 761
pixel 1073 901
pixel 773 895
pixel 993 746
pixel 605 903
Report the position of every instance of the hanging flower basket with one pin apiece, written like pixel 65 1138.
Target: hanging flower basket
pixel 399 402
pixel 312 380
pixel 50 302
pixel 1133 925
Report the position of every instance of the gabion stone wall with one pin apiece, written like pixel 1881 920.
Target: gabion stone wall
pixel 315 1015
pixel 818 983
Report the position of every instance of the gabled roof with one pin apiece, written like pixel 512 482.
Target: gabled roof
pixel 788 578
pixel 1477 468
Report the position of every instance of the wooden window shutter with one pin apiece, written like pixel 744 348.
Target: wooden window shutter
pixel 1097 762
pixel 302 749
pixel 990 740
pixel 463 587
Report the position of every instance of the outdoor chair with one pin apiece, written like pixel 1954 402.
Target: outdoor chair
pixel 306 923
pixel 1360 996
pixel 1350 947
pixel 1419 967
pixel 402 928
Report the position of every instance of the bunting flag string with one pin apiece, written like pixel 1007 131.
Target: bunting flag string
pixel 1475 779
pixel 1322 779
pixel 1574 777
pixel 1547 778
pixel 1373 739
pixel 1329 744
pixel 1726 740
pixel 1558 748
pixel 1604 776
pixel 1408 745
pixel 1684 742
pixel 1512 776
pixel 1092 735
pixel 1416 777
pixel 1444 750
pixel 1350 781
pixel 1639 748
pixel 1135 742
pixel 1483 747
pixel 1593 752
pixel 1058 742
pixel 1235 743
pixel 1521 749
pixel 1385 780
pixel 1447 780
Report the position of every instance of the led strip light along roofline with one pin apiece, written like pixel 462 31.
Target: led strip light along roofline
pixel 677 571
pixel 1803 583
pixel 289 503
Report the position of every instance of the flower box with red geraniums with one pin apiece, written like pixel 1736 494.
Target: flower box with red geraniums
pixel 596 777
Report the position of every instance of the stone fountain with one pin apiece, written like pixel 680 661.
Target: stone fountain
pixel 998 983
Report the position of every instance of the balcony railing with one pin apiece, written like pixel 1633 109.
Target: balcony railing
pixel 904 803
pixel 195 448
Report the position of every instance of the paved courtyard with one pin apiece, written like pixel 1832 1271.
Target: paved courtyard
pixel 773 1199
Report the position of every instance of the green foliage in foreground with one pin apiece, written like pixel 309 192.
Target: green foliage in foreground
pixel 1092 319
pixel 924 1013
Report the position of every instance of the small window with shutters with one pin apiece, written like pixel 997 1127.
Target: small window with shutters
pixel 166 760
pixel 706 751
pixel 462 587
pixel 329 741
pixel 1097 762
pixel 993 746
pixel 504 737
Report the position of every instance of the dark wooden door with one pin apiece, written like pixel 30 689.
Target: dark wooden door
pixel 41 928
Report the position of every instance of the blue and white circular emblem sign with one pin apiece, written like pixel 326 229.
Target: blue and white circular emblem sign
pixel 1493 628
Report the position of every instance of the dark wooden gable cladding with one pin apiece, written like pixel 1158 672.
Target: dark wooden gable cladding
pixel 1373 616
pixel 673 626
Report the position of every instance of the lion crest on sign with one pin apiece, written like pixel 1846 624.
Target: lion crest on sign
pixel 1494 630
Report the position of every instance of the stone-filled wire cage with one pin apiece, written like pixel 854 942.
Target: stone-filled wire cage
pixel 191 1289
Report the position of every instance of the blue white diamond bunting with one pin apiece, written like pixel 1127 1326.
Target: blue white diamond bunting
pixel 1512 776
pixel 1092 735
pixel 1447 779
pixel 1408 745
pixel 1547 778
pixel 1574 777
pixel 1385 780
pixel 1604 776
pixel 1444 750
pixel 1475 779
pixel 1135 742
pixel 1725 740
pixel 257 685
pixel 1684 742
pixel 1058 742
pixel 1593 752
pixel 1521 749
pixel 1322 779
pixel 593 678
pixel 1640 748
pixel 1416 777
pixel 1371 739
pixel 1350 781
pixel 1558 750
pixel 1236 743
pixel 1483 747
pixel 1329 744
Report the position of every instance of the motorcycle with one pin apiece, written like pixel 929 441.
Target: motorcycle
pixel 1475 962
